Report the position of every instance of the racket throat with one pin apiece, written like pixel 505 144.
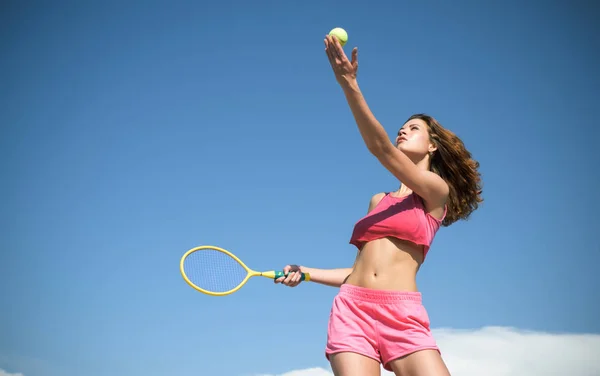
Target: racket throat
pixel 271 274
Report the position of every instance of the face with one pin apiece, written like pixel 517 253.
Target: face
pixel 413 139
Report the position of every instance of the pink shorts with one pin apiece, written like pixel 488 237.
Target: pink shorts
pixel 383 325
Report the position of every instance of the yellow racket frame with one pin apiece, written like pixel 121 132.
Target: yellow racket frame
pixel 272 274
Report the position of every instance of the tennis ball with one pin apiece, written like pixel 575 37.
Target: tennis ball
pixel 340 34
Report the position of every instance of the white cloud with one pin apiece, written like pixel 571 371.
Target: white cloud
pixel 500 351
pixel 4 373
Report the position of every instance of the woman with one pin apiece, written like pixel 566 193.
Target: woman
pixel 377 316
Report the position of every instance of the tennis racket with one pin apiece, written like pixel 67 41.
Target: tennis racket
pixel 217 272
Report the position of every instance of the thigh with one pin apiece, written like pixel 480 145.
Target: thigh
pixel 354 364
pixel 420 363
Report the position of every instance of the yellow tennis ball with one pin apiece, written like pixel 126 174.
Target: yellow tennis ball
pixel 340 34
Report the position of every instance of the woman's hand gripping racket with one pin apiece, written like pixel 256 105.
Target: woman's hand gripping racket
pixel 217 272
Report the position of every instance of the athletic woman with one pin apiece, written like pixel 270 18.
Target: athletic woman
pixel 378 316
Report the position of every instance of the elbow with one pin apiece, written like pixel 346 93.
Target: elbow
pixel 379 148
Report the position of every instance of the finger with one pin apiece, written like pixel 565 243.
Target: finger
pixel 293 279
pixel 329 50
pixel 333 46
pixel 286 269
pixel 289 277
pixel 339 51
pixel 355 56
pixel 327 45
pixel 296 278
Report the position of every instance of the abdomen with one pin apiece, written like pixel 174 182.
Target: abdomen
pixel 388 264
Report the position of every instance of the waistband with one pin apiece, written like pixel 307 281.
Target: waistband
pixel 379 296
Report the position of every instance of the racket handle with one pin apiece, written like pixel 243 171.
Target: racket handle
pixel 275 275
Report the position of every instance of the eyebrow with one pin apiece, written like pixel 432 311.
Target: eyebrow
pixel 408 125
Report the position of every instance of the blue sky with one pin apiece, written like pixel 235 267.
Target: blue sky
pixel 134 131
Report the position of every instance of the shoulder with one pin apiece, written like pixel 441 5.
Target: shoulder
pixel 438 191
pixel 435 203
pixel 376 199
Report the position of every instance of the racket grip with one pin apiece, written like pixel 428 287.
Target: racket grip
pixel 303 276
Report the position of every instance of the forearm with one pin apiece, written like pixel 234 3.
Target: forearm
pixel 372 132
pixel 329 277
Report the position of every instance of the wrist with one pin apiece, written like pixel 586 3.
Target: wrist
pixel 349 85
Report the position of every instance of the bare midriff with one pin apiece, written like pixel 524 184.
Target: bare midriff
pixel 387 264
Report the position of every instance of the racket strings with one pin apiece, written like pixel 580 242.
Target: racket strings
pixel 214 271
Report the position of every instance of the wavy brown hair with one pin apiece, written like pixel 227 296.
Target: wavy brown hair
pixel 453 162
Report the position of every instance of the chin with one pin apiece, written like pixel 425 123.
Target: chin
pixel 403 149
pixel 413 155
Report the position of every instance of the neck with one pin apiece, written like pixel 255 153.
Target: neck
pixel 423 164
pixel 403 190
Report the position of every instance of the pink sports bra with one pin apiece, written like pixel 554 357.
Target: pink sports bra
pixel 399 217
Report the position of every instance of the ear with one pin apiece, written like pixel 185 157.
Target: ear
pixel 432 147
